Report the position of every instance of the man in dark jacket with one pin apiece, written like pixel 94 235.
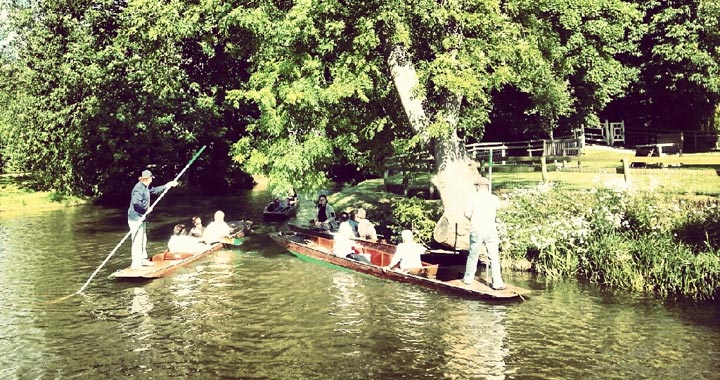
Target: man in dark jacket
pixel 139 207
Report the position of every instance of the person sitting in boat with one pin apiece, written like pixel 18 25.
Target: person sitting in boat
pixel 197 229
pixel 291 200
pixel 274 205
pixel 181 242
pixel 217 229
pixel 343 244
pixel 353 223
pixel 325 217
pixel 366 229
pixel 342 239
pixel 244 226
pixel 407 253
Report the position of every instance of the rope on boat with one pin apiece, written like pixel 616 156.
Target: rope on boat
pixel 142 219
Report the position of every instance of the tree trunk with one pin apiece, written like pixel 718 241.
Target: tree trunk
pixel 406 80
pixel 454 170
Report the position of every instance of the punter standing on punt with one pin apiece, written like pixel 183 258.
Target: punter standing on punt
pixel 481 210
pixel 139 206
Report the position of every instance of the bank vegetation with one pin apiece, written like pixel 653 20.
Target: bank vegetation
pixel 659 233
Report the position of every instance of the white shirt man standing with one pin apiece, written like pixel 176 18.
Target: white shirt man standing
pixel 482 210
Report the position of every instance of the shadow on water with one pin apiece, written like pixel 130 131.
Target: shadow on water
pixel 259 312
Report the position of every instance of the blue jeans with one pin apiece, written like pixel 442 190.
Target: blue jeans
pixel 139 243
pixel 489 238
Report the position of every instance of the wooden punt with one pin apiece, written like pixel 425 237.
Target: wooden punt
pixel 167 262
pixel 275 212
pixel 317 246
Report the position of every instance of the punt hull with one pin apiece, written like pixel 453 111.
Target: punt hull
pixel 166 262
pixel 317 248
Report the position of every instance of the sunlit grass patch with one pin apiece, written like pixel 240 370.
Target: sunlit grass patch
pixel 15 195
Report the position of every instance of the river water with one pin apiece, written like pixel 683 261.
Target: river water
pixel 257 312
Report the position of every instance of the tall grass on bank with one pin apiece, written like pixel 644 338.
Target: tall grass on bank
pixel 636 240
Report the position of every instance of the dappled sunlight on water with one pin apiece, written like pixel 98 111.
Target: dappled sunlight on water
pixel 258 312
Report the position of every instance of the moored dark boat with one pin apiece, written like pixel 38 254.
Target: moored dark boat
pixel 277 210
pixel 318 247
pixel 166 262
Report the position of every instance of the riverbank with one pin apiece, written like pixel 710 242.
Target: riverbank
pixel 16 196
pixel 662 239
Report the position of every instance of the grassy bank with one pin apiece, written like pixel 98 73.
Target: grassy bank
pixel 15 195
pixel 687 175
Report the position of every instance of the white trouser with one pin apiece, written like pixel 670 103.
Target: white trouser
pixel 139 243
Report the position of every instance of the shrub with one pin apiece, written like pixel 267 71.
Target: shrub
pixel 417 215
pixel 633 240
pixel 700 226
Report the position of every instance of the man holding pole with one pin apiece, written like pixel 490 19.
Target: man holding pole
pixel 139 208
pixel 481 210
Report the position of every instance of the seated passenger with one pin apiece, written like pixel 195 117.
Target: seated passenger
pixel 180 242
pixel 292 200
pixel 343 244
pixel 325 216
pixel 197 229
pixel 366 229
pixel 407 253
pixel 274 205
pixel 217 229
pixel 354 224
pixel 342 239
pixel 240 225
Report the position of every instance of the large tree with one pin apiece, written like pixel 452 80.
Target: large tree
pixel 104 88
pixel 373 78
pixel 330 82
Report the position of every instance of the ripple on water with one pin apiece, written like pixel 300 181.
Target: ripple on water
pixel 258 312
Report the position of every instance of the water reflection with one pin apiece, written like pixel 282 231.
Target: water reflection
pixel 479 350
pixel 411 315
pixel 141 303
pixel 140 308
pixel 349 302
pixel 258 312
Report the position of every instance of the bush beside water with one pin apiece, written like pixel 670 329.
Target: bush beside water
pixel 644 241
pixel 628 239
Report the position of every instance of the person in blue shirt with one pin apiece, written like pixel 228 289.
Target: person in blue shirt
pixel 139 206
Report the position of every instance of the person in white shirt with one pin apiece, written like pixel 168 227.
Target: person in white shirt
pixel 217 229
pixel 342 239
pixel 366 229
pixel 482 210
pixel 407 253
pixel 180 242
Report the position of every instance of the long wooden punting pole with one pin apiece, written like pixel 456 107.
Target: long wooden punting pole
pixel 131 231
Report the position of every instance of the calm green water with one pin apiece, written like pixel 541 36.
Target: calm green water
pixel 259 313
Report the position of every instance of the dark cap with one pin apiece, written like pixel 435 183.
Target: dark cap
pixel 146 174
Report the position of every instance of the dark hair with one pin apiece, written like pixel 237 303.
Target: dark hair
pixel 344 216
pixel 179 229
